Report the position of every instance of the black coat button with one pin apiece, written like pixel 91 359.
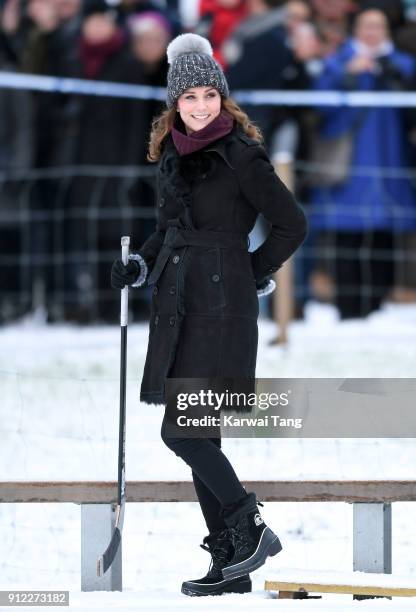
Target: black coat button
pixel 172 290
pixel 172 321
pixel 162 202
pixel 155 290
pixel 176 259
pixel 156 319
pixel 272 270
pixel 215 278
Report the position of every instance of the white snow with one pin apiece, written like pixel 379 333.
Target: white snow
pixel 59 419
pixel 254 601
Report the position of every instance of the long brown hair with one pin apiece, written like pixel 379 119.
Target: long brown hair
pixel 162 125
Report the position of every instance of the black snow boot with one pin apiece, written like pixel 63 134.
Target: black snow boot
pixel 253 541
pixel 219 544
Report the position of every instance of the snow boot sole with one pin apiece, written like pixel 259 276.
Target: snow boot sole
pixel 241 584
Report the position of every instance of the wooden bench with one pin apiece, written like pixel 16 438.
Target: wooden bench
pixel 371 501
pixel 297 584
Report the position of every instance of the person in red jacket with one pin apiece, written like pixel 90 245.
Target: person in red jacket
pixel 218 18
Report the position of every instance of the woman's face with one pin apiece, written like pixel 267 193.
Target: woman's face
pixel 198 106
pixel 371 28
pixel 98 28
pixel 150 46
pixel 297 13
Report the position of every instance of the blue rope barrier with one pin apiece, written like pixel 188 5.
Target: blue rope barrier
pixel 12 80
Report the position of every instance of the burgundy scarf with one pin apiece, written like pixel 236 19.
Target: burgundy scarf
pixel 220 126
pixel 94 56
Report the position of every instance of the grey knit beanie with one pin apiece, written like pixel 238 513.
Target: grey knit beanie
pixel 192 65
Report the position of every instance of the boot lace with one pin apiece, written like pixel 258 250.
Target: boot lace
pixel 241 537
pixel 218 547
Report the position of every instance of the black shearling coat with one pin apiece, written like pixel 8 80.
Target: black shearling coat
pixel 204 309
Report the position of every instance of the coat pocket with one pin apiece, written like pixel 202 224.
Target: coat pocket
pixel 203 280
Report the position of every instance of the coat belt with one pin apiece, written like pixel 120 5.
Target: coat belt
pixel 176 237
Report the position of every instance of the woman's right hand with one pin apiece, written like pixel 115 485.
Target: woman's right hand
pixel 361 63
pixel 133 274
pixel 122 275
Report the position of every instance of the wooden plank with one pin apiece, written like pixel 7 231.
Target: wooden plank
pixel 346 589
pixel 183 491
pixel 90 492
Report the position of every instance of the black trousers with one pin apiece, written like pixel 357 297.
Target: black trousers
pixel 216 483
pixel 361 265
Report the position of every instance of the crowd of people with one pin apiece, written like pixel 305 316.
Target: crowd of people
pixel 74 169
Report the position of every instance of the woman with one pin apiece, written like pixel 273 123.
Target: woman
pixel 214 178
pixel 361 220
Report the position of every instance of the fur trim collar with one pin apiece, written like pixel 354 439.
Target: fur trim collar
pixel 179 174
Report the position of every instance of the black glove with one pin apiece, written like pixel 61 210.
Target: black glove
pixel 262 284
pixel 265 286
pixel 122 275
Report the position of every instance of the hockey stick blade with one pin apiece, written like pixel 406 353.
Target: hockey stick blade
pixel 105 561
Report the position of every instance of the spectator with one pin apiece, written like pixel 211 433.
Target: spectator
pixel 406 33
pixel 51 50
pixel 298 12
pixel 218 19
pixel 16 129
pixel 15 26
pixel 405 290
pixel 369 208
pixel 16 151
pixel 392 9
pixel 260 35
pixel 307 50
pixel 48 49
pixel 105 140
pixel 333 21
pixel 169 12
pixel 150 33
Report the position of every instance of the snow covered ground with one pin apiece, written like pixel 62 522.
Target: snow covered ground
pixel 59 417
pixel 250 601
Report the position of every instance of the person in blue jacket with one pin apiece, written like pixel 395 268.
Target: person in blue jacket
pixel 363 219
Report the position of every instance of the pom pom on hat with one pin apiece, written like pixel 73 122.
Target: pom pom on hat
pixel 188 43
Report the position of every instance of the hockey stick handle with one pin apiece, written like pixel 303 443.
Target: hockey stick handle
pixel 125 244
pixel 106 559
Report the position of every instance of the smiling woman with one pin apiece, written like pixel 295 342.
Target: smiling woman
pixel 198 106
pixel 206 284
